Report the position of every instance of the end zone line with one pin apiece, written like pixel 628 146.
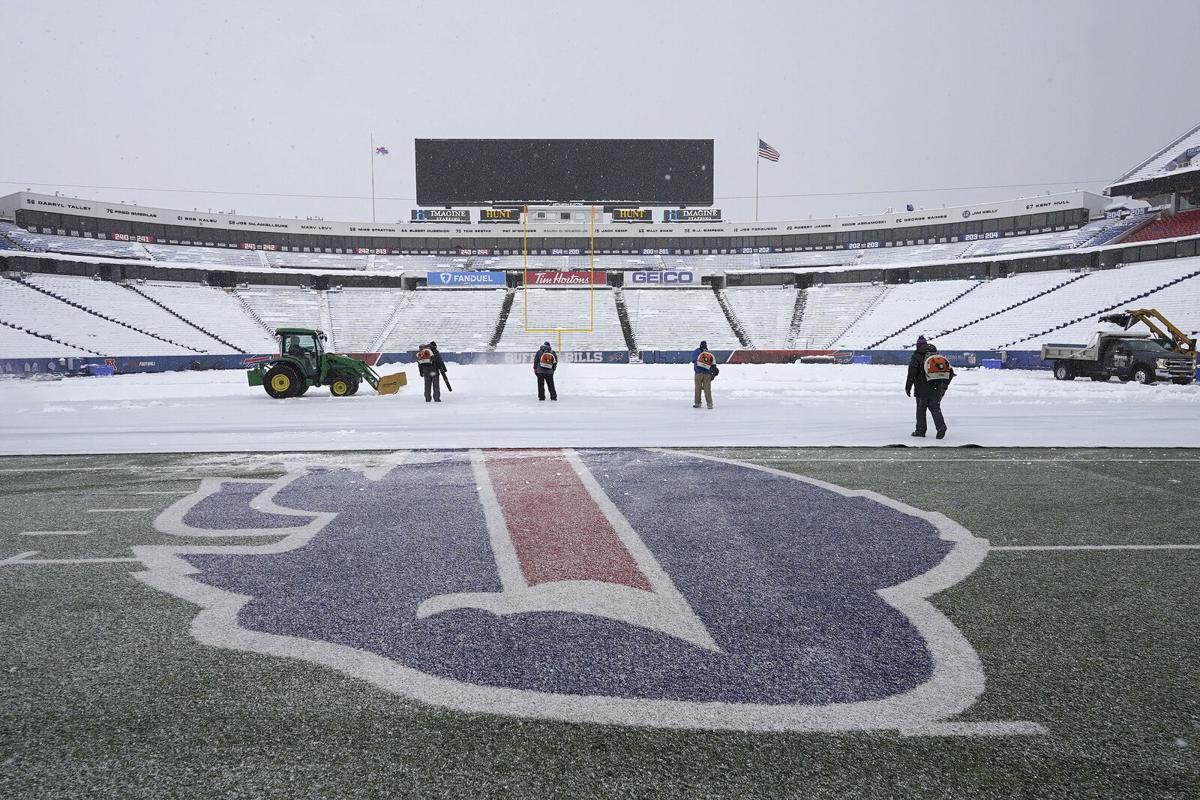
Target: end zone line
pixel 1096 547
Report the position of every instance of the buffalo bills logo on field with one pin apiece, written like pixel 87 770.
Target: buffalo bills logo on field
pixel 627 586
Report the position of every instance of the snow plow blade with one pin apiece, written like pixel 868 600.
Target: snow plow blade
pixel 390 384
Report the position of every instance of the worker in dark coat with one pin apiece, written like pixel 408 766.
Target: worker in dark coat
pixel 544 365
pixel 929 390
pixel 432 367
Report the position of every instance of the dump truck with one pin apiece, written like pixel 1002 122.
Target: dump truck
pixel 1164 353
pixel 302 363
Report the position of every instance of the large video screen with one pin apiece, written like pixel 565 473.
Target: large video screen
pixel 466 172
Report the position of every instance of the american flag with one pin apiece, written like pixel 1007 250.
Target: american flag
pixel 381 151
pixel 766 151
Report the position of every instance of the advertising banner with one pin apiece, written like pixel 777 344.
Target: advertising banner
pixel 454 215
pixel 459 280
pixel 666 278
pixel 692 215
pixel 567 280
pixel 499 215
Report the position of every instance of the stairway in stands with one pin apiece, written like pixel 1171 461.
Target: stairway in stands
pixel 623 318
pixel 797 317
pixel 732 317
pixel 510 295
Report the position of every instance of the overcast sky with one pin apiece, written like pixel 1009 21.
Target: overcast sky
pixel 268 107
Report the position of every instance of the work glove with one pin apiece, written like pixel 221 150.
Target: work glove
pixel 908 391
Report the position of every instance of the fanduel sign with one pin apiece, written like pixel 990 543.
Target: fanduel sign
pixel 680 277
pixel 567 279
pixel 464 279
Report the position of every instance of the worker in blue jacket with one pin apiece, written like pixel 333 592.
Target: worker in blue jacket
pixel 704 369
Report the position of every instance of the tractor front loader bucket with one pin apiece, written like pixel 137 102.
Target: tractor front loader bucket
pixel 390 384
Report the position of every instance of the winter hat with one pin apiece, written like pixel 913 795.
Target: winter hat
pixel 545 344
pixel 921 342
pixel 703 345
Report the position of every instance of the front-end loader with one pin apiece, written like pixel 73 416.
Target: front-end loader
pixel 303 363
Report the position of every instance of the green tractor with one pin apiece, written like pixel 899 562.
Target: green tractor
pixel 302 362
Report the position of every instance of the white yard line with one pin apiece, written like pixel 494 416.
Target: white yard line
pixel 54 533
pixel 116 510
pixel 1097 547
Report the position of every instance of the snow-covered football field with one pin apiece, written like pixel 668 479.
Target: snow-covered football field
pixel 599 406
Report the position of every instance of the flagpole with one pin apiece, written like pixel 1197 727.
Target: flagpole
pixel 372 176
pixel 757 159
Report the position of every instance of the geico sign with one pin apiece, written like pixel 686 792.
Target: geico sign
pixel 680 276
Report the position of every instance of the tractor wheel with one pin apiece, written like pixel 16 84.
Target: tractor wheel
pixel 354 387
pixel 281 381
pixel 341 387
pixel 1143 375
pixel 301 388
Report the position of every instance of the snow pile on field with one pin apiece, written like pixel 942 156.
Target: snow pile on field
pixel 599 406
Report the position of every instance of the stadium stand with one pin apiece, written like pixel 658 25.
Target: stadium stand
pixel 127 306
pixel 40 242
pixel 283 306
pixel 990 298
pixel 563 308
pixel 207 256
pixel 830 311
pixel 1164 162
pixel 677 319
pixel 1185 224
pixel 38 312
pixel 900 307
pixel 457 319
pixel 17 340
pixel 765 314
pixel 1075 301
pixel 219 311
pixel 359 316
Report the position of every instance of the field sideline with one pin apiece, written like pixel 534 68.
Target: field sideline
pixel 106 692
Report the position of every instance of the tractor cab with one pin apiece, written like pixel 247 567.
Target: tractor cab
pixel 305 347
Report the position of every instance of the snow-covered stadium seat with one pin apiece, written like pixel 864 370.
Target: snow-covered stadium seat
pixel 563 309
pixel 765 314
pixel 457 319
pixel 42 242
pixel 1024 325
pixel 283 306
pixel 126 305
pixel 678 319
pixel 830 310
pixel 216 310
pixel 988 298
pixel 21 344
pixel 900 306
pixel 35 311
pixel 360 316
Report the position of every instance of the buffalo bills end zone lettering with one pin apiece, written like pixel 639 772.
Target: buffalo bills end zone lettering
pixel 626 587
